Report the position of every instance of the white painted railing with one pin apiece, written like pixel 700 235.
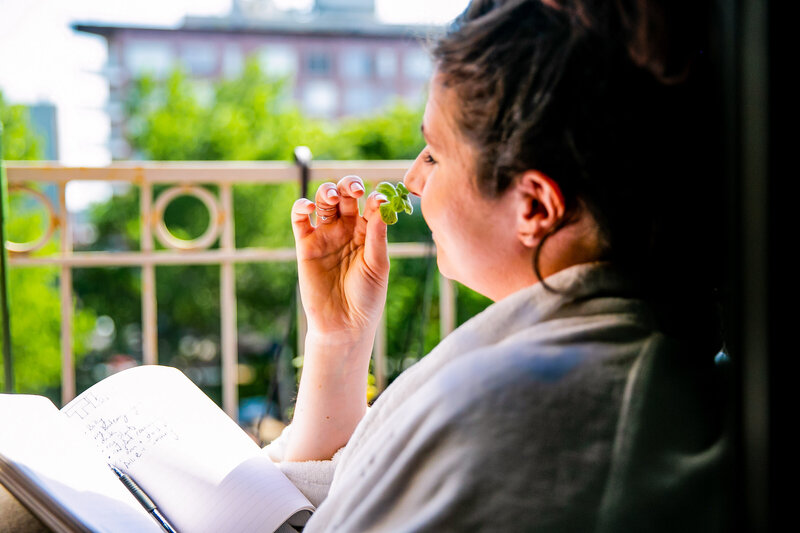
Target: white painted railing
pixel 186 178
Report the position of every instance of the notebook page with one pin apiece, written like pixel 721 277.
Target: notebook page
pixel 198 466
pixel 35 439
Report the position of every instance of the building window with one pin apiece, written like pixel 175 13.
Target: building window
pixel 386 63
pixel 232 61
pixel 117 131
pixel 417 65
pixel 278 60
pixel 318 63
pixel 359 100
pixel 357 64
pixel 415 95
pixel 320 98
pixel 116 111
pixel 149 57
pixel 119 148
pixel 199 58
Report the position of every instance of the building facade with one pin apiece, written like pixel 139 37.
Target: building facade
pixel 342 61
pixel 45 124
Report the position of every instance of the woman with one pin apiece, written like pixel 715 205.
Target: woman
pixel 580 399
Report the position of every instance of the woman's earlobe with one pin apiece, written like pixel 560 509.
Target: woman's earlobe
pixel 542 206
pixel 528 239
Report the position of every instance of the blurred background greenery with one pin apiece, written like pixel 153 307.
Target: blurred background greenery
pixel 34 292
pixel 247 118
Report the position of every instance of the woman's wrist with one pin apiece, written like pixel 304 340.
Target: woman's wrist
pixel 338 349
pixel 332 396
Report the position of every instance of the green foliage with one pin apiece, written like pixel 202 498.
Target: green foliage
pixel 261 215
pixel 19 140
pixel 35 330
pixel 116 222
pixel 398 201
pixel 393 134
pixel 36 313
pixel 33 292
pixel 249 118
pixel 252 118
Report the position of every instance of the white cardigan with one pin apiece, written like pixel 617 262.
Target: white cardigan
pixel 546 412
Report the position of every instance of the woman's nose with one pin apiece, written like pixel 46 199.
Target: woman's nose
pixel 414 179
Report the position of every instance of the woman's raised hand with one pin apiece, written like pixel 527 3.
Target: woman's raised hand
pixel 342 262
pixel 343 267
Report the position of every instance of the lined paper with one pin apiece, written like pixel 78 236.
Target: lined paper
pixel 37 441
pixel 198 466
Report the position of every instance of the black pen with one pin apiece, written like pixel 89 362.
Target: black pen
pixel 145 500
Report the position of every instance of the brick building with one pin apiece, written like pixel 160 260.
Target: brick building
pixel 341 59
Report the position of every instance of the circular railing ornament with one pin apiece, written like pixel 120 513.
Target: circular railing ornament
pixel 52 224
pixel 205 240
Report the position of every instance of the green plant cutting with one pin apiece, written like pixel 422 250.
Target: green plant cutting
pixel 398 201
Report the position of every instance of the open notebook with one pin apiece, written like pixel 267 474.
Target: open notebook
pixel 201 470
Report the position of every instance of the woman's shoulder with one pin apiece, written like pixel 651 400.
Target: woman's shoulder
pixel 569 365
pixel 532 419
pixel 526 423
pixel 538 342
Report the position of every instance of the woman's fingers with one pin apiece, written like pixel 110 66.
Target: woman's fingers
pixel 374 200
pixel 338 199
pixel 376 252
pixel 301 224
pixel 334 200
pixel 350 189
pixel 327 200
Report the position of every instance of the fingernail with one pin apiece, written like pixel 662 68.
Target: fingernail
pixel 332 193
pixel 381 196
pixel 355 187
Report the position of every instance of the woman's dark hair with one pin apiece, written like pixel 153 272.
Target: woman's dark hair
pixel 603 96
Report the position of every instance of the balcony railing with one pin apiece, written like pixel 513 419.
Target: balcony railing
pixel 188 179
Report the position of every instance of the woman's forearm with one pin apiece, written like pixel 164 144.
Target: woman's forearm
pixel 332 397
pixel 343 272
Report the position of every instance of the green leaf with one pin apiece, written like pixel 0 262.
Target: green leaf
pixel 386 188
pixel 397 204
pixel 401 188
pixel 387 213
pixel 408 208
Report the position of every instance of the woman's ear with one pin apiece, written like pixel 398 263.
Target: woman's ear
pixel 540 207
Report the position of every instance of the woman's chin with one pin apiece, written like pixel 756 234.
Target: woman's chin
pixel 444 267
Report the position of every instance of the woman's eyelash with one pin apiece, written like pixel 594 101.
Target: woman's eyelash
pixel 429 159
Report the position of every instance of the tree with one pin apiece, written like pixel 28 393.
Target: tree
pixel 251 118
pixel 34 294
pixel 19 140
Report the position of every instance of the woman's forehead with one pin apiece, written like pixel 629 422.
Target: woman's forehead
pixel 438 122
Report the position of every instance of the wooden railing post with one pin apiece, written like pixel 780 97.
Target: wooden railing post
pixel 67 360
pixel 302 158
pixel 149 303
pixel 229 342
pixel 379 355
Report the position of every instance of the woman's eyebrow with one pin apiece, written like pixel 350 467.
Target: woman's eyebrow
pixel 427 137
